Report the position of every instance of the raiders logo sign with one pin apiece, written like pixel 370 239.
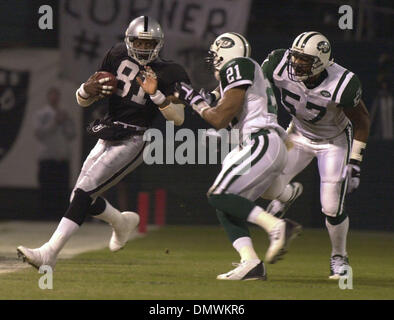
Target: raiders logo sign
pixel 225 43
pixel 323 46
pixel 13 99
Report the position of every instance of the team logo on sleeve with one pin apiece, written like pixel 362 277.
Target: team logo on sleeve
pixel 325 93
pixel 357 98
pixel 323 46
pixel 225 43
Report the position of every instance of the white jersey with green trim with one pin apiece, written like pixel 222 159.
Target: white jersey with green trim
pixel 259 109
pixel 317 113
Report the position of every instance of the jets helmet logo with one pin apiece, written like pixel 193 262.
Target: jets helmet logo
pixel 225 43
pixel 323 46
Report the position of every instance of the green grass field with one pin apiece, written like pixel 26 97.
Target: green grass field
pixel 181 262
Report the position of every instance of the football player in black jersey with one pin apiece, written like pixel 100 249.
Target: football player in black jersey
pixel 145 87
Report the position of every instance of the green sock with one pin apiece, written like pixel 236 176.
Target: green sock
pixel 232 204
pixel 234 227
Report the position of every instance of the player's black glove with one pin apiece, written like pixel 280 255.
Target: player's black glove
pixel 208 96
pixel 187 94
pixel 352 173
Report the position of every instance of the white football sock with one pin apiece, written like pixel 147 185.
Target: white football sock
pixel 64 231
pixel 286 193
pixel 263 219
pixel 338 234
pixel 110 215
pixel 244 246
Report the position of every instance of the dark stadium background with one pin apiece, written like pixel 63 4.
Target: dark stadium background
pixel 272 24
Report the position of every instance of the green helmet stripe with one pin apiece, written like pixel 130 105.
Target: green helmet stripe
pixel 308 37
pixel 299 38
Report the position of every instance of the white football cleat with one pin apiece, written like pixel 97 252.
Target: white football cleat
pixel 246 270
pixel 338 266
pixel 122 232
pixel 36 257
pixel 278 208
pixel 280 237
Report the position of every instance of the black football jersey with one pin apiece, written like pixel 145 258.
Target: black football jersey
pixel 130 104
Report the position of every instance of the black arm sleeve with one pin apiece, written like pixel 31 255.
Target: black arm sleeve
pixel 169 76
pixel 106 64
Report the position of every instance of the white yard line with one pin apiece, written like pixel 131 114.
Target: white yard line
pixel 91 236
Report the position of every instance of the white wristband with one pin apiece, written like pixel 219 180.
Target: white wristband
pixel 201 107
pixel 216 94
pixel 357 150
pixel 158 97
pixel 82 92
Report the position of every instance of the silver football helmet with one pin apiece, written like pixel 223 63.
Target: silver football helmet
pixel 147 28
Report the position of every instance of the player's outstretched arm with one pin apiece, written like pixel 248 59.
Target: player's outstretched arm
pixel 220 116
pixel 92 90
pixel 171 108
pixel 229 106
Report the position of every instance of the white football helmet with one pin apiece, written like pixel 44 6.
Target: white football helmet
pixel 144 27
pixel 227 46
pixel 309 55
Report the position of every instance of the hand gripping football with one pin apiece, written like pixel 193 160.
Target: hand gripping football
pixel 111 80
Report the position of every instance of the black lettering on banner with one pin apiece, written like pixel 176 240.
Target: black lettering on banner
pixel 136 12
pixel 217 19
pixel 168 14
pixel 187 17
pixel 68 9
pixel 86 46
pixel 96 19
pixel 193 59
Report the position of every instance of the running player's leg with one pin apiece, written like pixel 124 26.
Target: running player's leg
pixel 234 219
pixel 251 267
pixel 331 163
pixel 236 188
pixel 281 191
pixel 106 164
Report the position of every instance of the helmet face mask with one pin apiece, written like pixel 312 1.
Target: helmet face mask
pixel 300 66
pixel 144 28
pixel 141 54
pixel 308 56
pixel 213 60
pixel 226 47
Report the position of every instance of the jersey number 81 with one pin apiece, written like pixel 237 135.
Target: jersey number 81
pixel 126 73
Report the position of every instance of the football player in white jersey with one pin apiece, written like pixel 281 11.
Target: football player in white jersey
pixel 247 104
pixel 329 122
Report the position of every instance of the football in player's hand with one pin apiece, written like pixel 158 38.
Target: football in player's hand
pixel 112 81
